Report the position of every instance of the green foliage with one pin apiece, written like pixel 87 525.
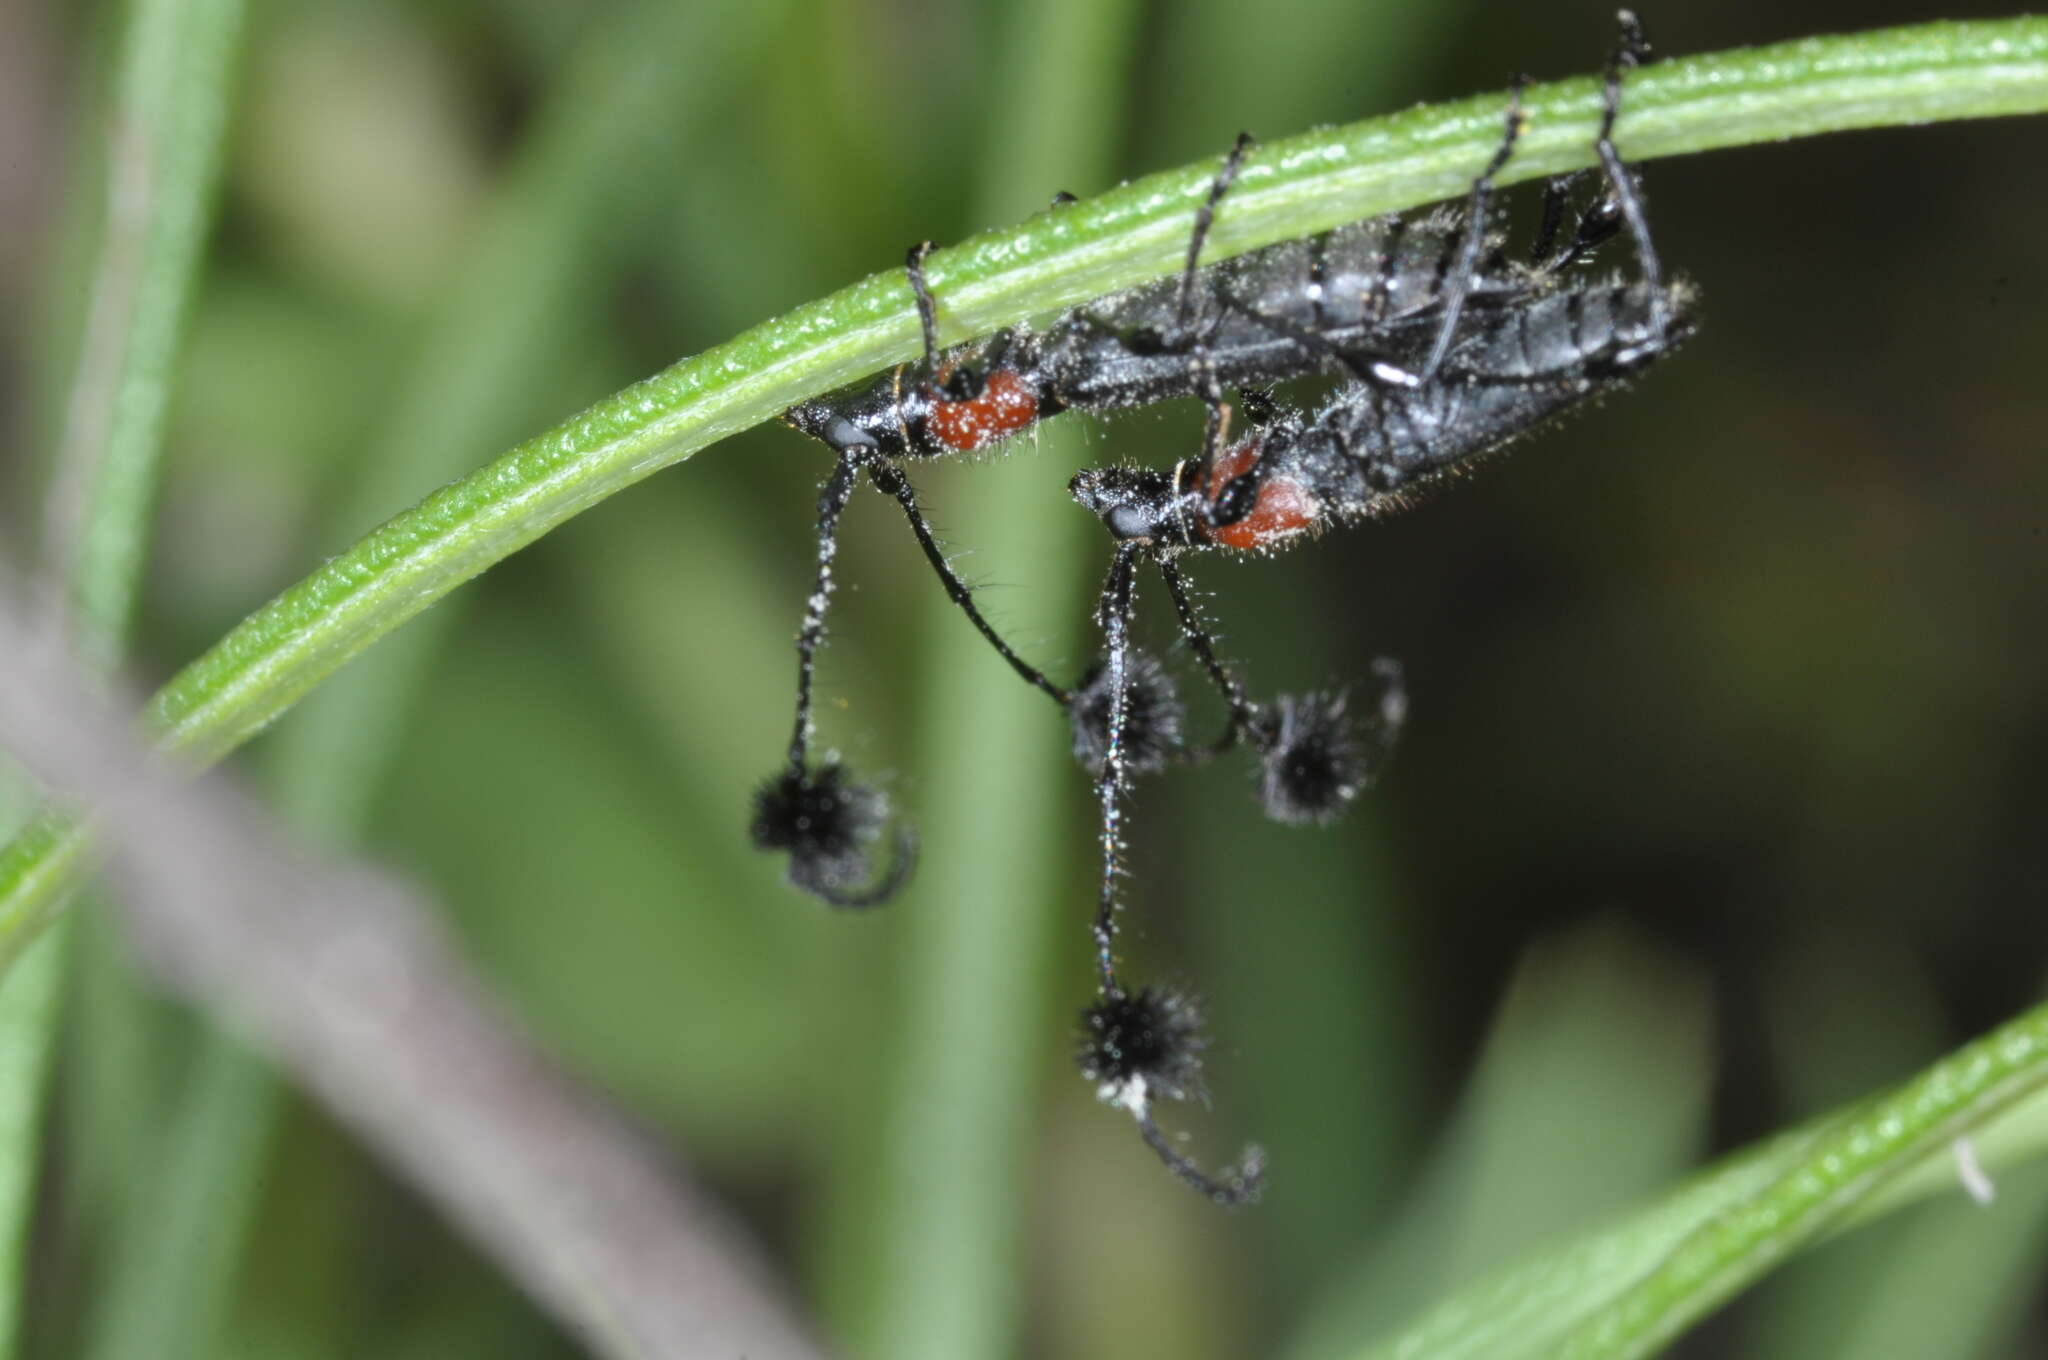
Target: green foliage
pixel 565 758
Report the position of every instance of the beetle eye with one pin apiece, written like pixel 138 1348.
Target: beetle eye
pixel 1236 501
pixel 964 383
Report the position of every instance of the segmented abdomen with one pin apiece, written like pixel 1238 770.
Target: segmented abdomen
pixel 1372 447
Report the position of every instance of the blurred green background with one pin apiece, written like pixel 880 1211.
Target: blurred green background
pixel 1719 804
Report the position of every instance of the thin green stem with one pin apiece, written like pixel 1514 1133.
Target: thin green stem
pixel 951 1231
pixel 168 1281
pixel 1841 1167
pixel 574 188
pixel 1305 184
pixel 28 1016
pixel 1629 1289
pixel 162 154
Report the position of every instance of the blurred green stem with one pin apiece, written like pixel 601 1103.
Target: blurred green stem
pixel 1914 1125
pixel 162 165
pixel 546 252
pixel 1629 1289
pixel 954 1193
pixel 163 139
pixel 28 1014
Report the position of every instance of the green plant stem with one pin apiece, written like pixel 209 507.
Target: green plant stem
pixel 573 190
pixel 951 1231
pixel 161 160
pixel 1628 1289
pixel 28 1016
pixel 1841 1167
pixel 168 1281
pixel 1305 184
pixel 163 152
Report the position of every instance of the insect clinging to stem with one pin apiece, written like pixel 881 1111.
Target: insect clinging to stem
pixel 1490 374
pixel 1380 301
pixel 1446 349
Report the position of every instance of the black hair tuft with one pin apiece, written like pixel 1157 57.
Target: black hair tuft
pixel 1154 718
pixel 1144 1044
pixel 1315 765
pixel 828 824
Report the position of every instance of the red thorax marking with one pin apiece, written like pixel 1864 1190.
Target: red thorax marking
pixel 1005 406
pixel 1284 507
